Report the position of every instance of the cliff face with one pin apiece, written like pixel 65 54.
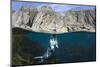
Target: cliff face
pixel 46 20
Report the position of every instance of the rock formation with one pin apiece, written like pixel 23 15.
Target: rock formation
pixel 45 19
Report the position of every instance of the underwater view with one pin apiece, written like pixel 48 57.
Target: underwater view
pixel 49 33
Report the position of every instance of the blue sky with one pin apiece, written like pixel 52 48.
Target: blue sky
pixel 56 7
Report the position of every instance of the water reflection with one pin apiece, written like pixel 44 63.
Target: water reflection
pixel 50 50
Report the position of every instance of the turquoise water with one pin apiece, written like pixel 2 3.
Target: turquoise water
pixel 73 47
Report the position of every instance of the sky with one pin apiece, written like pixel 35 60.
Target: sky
pixel 56 7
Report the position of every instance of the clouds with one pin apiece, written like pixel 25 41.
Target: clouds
pixel 56 7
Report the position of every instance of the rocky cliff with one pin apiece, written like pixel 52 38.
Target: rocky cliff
pixel 45 19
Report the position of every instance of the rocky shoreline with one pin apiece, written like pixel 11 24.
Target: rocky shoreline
pixel 46 20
